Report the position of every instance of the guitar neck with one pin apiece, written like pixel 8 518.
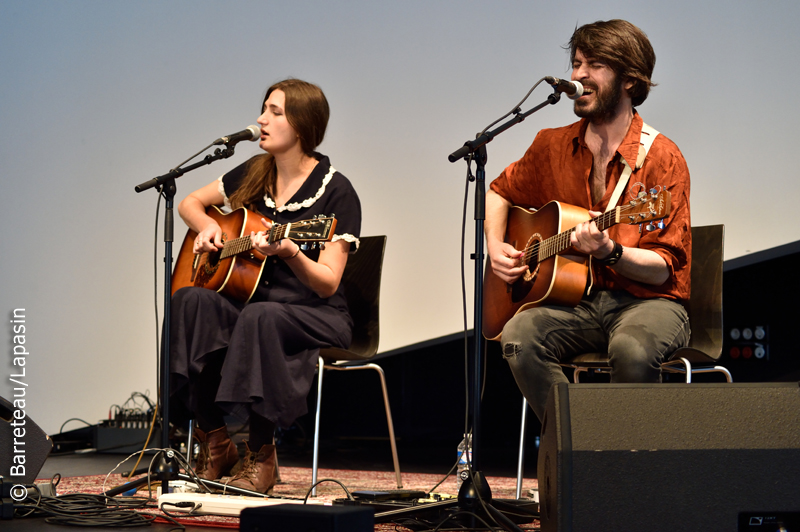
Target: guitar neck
pixel 278 232
pixel 235 246
pixel 644 208
pixel 557 243
pixel 607 219
pixel 243 243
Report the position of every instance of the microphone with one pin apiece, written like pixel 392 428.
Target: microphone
pixel 573 89
pixel 251 133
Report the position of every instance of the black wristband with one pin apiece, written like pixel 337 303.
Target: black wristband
pixel 614 256
pixel 296 253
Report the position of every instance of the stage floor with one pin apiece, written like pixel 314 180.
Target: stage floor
pixel 357 462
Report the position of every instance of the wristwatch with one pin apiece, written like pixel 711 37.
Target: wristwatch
pixel 614 256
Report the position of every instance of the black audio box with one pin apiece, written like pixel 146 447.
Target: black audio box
pixel 307 518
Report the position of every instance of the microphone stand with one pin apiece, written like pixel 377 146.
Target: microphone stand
pixel 166 467
pixel 475 492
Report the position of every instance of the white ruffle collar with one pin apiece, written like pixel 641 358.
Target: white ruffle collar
pixel 291 207
pixel 308 202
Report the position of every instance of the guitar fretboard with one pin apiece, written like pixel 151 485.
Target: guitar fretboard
pixel 243 243
pixel 549 247
pixel 235 246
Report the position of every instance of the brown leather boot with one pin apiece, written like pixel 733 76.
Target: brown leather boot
pixel 258 470
pixel 217 454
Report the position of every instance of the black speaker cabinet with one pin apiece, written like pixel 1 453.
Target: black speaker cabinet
pixel 23 445
pixel 307 518
pixel 667 457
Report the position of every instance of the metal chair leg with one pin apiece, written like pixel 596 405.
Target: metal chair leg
pixel 689 370
pixel 388 409
pixel 314 466
pixel 718 369
pixel 521 459
pixel 670 366
pixel 190 443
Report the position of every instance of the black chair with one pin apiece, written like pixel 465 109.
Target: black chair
pixel 705 317
pixel 362 282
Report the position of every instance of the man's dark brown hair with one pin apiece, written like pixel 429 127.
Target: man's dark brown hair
pixel 624 47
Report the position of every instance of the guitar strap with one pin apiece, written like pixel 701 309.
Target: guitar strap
pixel 646 139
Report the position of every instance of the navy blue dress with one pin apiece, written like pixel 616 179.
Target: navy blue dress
pixel 272 343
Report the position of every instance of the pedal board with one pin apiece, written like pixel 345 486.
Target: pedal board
pixel 391 504
pixel 433 509
pixel 389 495
pixel 218 504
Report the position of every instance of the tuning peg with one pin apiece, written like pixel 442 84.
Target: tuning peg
pixel 321 246
pixel 650 227
pixel 304 246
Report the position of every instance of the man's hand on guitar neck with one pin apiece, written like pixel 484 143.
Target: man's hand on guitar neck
pixel 642 265
pixel 588 238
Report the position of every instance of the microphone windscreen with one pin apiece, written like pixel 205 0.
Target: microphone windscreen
pixel 578 91
pixel 256 130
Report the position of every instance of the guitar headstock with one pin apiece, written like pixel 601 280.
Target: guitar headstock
pixel 317 229
pixel 648 206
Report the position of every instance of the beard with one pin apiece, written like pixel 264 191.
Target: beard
pixel 605 105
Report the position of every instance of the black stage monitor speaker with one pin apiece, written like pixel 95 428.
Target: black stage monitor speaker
pixel 23 445
pixel 667 457
pixel 307 518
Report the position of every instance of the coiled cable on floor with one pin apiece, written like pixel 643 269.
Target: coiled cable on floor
pixel 89 510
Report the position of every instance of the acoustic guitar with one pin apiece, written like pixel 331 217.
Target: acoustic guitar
pixel 557 273
pixel 235 269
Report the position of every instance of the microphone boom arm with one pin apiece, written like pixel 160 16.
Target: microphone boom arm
pixel 472 146
pixel 175 173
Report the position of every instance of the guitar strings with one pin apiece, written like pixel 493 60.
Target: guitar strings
pixel 243 243
pixel 277 232
pixel 548 247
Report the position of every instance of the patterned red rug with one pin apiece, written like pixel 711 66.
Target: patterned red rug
pixel 296 482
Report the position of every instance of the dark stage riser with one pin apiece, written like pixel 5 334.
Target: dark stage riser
pixel 667 457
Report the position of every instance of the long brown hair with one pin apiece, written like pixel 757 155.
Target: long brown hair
pixel 307 111
pixel 625 48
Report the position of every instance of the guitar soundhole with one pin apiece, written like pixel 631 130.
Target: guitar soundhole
pixel 522 286
pixel 208 267
pixel 532 257
pixel 212 262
